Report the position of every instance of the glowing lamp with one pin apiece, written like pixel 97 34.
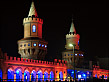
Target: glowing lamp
pixel 84 75
pixel 70 45
pixel 75 54
pixel 26 77
pixel 79 76
pixel 34 44
pixel 45 46
pixel 17 71
pixel 39 44
pixel 42 45
pixel 72 71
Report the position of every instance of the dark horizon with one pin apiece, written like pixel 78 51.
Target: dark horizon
pixel 90 20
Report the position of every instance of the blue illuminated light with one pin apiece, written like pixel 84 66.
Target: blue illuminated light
pixel 72 71
pixel 84 75
pixel 34 44
pixel 45 46
pixel 75 54
pixel 82 55
pixel 33 76
pixel 45 76
pixel 1 74
pixel 28 44
pixel 40 76
pixel 51 76
pixel 40 45
pixel 33 28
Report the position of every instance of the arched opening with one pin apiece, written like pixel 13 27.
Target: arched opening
pixel 96 75
pixel 51 75
pixel 45 76
pixel 33 76
pixel 18 75
pixel 60 76
pixel 26 75
pixel 40 76
pixel 0 74
pixel 10 75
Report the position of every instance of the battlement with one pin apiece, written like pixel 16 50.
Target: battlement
pixel 32 19
pixel 31 61
pixel 72 35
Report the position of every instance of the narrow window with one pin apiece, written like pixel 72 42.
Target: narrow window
pixel 33 28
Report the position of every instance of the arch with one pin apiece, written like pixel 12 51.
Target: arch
pixel 26 75
pixel 10 75
pixel 45 75
pixel 96 75
pixel 61 75
pixel 33 75
pixel 51 75
pixel 40 75
pixel 18 75
pixel 0 74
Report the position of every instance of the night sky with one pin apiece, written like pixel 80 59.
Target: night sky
pixel 90 20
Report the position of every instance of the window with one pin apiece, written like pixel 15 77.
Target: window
pixel 39 44
pixel 45 46
pixel 24 45
pixel 75 54
pixel 20 45
pixel 33 28
pixel 34 44
pixel 42 45
pixel 28 44
pixel 78 42
pixel 82 55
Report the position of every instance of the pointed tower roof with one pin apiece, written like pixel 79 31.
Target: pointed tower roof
pixel 72 28
pixel 33 10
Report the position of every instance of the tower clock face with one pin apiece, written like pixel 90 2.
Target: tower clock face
pixel 33 28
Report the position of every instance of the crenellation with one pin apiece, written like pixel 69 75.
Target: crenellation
pixel 22 59
pixel 25 60
pixel 55 60
pixel 18 59
pixel 59 61
pixel 14 58
pixel 28 60
pixel 11 58
pixel 63 61
pixel 32 19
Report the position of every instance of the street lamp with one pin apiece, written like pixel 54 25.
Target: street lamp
pixel 73 45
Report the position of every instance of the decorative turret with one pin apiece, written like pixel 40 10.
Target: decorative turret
pixel 72 38
pixel 68 55
pixel 32 46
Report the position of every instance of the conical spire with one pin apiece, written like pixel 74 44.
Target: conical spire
pixel 32 10
pixel 72 28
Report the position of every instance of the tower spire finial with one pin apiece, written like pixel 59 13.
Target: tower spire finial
pixel 72 28
pixel 33 10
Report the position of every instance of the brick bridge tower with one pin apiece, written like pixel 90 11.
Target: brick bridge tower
pixel 67 55
pixel 32 46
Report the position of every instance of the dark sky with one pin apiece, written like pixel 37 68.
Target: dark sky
pixel 90 19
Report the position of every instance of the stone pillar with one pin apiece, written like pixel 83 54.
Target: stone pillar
pixel 22 76
pixel 30 77
pixel 14 77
